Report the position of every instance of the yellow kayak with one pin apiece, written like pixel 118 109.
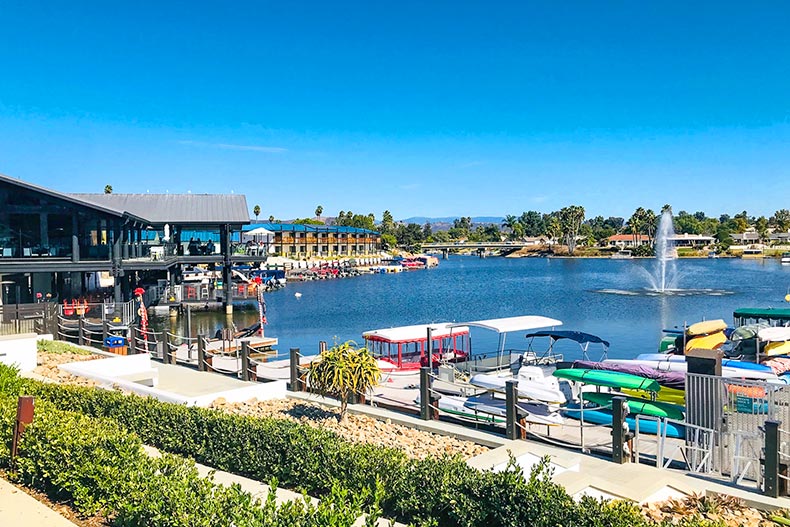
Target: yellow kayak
pixel 706 327
pixel 706 342
pixel 666 395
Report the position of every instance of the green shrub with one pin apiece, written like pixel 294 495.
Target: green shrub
pixel 59 347
pixel 435 491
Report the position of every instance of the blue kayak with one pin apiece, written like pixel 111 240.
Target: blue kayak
pixel 604 417
pixel 725 362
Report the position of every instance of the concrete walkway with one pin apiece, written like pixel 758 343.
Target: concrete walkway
pixel 18 509
pixel 581 474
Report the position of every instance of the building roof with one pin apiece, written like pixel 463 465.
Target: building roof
pixel 196 209
pixel 692 237
pixel 59 195
pixel 298 227
pixel 628 237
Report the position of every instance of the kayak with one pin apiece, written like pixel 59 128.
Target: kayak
pixel 706 327
pixel 666 395
pixel 488 409
pixel 646 426
pixel 667 379
pixel 639 406
pixel 611 379
pixel 728 363
pixel 681 366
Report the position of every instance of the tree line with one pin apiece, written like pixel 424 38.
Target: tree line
pixel 568 226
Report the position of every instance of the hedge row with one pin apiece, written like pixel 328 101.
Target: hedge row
pixel 100 468
pixel 435 491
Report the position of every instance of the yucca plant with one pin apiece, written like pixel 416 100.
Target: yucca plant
pixel 344 370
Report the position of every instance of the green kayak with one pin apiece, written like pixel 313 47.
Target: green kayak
pixel 639 406
pixel 610 379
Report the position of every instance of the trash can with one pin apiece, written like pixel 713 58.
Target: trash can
pixel 116 345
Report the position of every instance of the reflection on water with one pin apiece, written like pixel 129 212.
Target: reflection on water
pixel 600 296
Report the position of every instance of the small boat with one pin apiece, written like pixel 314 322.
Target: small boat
pixel 638 406
pixel 712 254
pixel 532 384
pixel 752 252
pixel 622 255
pixel 646 426
pixel 488 408
pixel 404 348
pixel 785 259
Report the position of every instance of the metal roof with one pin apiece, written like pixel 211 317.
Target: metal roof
pixel 195 209
pixel 577 336
pixel 506 325
pixel 768 313
pixel 59 195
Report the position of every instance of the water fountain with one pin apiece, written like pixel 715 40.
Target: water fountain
pixel 665 277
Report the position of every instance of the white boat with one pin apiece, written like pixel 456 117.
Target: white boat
pixel 488 408
pixel 532 384
pixel 622 255
pixel 785 258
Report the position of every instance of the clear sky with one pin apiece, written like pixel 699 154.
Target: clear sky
pixel 432 108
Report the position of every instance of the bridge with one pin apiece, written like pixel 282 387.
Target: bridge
pixel 479 247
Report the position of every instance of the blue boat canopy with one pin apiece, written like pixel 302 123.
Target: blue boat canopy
pixel 576 336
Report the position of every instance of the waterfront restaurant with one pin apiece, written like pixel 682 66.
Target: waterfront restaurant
pixel 58 246
pixel 294 240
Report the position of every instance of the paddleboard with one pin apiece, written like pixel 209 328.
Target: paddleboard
pixel 728 363
pixel 611 379
pixel 726 371
pixel 666 395
pixel 639 406
pixel 646 426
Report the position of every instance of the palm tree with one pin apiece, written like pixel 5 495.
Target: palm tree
pixel 635 223
pixel 318 210
pixel 256 210
pixel 271 219
pixel 513 224
pixel 108 189
pixel 342 371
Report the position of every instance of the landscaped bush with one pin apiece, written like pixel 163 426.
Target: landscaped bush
pixel 445 492
pixel 100 468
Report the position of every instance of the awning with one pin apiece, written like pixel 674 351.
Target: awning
pixel 508 325
pixel 260 231
pixel 415 333
pixel 576 336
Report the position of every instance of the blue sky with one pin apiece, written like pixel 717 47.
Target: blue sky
pixel 425 108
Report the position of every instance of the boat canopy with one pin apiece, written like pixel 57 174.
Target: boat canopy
pixel 510 324
pixel 741 316
pixel 576 336
pixel 415 333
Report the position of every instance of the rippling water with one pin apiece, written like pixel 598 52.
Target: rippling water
pixel 606 297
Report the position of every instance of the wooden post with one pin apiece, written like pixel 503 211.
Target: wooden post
pixel 620 433
pixel 296 384
pixel 511 410
pixel 425 394
pixel 772 459
pixel 245 360
pixel 105 327
pixel 201 349
pixel 25 408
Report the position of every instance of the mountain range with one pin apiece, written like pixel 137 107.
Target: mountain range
pixel 422 220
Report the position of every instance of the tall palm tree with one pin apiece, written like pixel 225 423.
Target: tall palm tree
pixel 108 189
pixel 256 210
pixel 318 210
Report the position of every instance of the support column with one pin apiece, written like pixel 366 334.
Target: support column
pixel 44 228
pixel 75 241
pixel 224 240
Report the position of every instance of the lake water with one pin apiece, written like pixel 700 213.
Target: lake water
pixel 470 288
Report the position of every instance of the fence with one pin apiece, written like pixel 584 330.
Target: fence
pixel 28 318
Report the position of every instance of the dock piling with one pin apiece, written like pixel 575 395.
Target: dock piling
pixel 81 331
pixel 245 360
pixel 296 384
pixel 425 393
pixel 511 410
pixel 620 432
pixel 201 349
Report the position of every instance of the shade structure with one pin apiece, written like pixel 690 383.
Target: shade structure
pixel 510 324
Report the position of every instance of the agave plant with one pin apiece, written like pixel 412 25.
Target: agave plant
pixel 342 371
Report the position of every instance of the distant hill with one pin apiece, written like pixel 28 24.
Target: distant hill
pixel 422 220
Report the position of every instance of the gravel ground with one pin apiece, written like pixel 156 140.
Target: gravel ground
pixel 357 428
